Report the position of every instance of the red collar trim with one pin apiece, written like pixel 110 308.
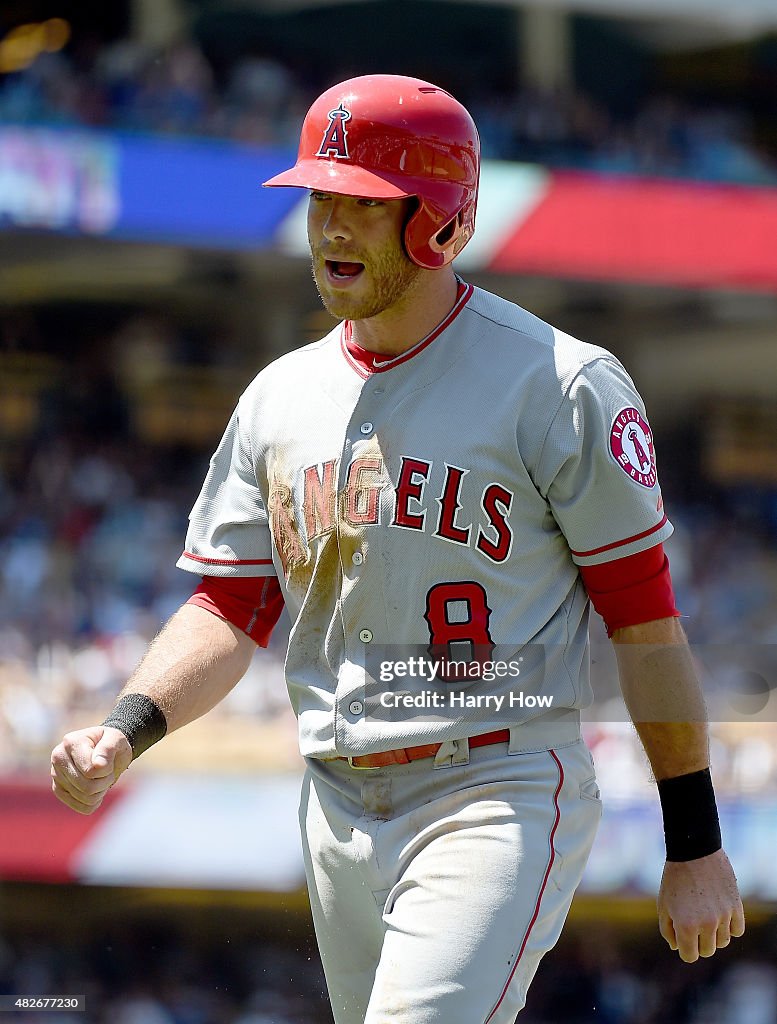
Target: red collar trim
pixel 366 363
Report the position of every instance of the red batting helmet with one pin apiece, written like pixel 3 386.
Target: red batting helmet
pixel 390 137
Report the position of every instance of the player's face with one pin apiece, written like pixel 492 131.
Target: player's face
pixel 359 264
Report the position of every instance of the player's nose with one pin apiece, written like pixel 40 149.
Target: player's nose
pixel 336 226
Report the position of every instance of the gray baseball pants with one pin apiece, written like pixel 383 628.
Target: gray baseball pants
pixel 436 891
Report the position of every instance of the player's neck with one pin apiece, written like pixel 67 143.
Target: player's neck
pixel 406 323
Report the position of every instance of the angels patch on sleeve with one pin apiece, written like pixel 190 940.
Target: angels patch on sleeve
pixel 631 445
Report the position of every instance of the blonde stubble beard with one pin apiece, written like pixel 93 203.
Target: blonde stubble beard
pixel 393 275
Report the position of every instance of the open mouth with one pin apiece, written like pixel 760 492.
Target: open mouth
pixel 341 270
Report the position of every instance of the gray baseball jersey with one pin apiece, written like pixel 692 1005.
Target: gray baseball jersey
pixel 444 496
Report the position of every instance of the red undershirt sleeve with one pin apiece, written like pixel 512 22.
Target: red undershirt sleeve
pixel 251 603
pixel 631 590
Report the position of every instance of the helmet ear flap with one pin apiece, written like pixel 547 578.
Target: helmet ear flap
pixel 432 245
pixel 448 235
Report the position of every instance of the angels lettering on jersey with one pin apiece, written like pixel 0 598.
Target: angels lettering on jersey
pixel 421 500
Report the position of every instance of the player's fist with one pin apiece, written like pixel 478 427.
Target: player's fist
pixel 699 909
pixel 86 764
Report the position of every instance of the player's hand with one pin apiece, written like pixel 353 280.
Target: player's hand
pixel 699 909
pixel 86 764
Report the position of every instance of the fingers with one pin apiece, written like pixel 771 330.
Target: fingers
pixel 666 928
pixel 112 753
pixel 68 796
pixel 688 944
pixel 692 943
pixel 86 764
pixel 81 752
pixel 708 939
pixel 73 789
pixel 74 779
pixel 723 935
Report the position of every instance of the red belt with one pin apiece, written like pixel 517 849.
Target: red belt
pixel 404 755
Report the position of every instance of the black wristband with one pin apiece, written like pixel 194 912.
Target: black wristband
pixel 691 824
pixel 141 721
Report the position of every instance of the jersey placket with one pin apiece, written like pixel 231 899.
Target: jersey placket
pixel 363 480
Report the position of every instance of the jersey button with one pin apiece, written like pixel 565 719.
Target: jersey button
pixel 356 707
pixel 365 636
pixel 357 558
pixel 366 428
pixel 378 391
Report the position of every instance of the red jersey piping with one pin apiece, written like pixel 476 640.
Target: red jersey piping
pixel 620 543
pixel 228 561
pixel 366 363
pixel 535 915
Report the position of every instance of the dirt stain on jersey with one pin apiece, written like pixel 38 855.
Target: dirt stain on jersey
pixel 314 567
pixel 376 797
pixel 350 538
pixel 312 571
pixel 323 586
pixel 294 553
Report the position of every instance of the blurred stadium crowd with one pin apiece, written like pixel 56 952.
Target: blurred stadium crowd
pixel 128 86
pixel 79 600
pixel 160 975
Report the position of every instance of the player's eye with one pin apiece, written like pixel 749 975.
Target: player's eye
pixel 370 202
pixel 319 197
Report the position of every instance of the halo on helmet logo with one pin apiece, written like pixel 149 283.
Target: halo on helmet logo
pixel 335 140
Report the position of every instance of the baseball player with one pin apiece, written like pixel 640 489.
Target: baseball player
pixel 443 480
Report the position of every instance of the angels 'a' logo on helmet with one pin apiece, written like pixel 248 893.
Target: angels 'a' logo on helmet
pixel 335 140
